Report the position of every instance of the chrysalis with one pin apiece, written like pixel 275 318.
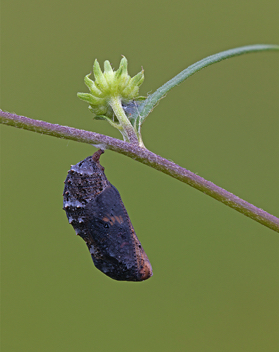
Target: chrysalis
pixel 95 210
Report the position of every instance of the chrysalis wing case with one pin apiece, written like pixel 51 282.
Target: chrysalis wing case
pixel 95 210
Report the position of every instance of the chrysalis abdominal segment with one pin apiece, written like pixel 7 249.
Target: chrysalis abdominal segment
pixel 95 210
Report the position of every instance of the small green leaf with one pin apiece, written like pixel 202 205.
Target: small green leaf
pixel 138 79
pixel 108 72
pixel 107 67
pixel 97 110
pixel 123 68
pixel 100 80
pixel 92 87
pixel 89 98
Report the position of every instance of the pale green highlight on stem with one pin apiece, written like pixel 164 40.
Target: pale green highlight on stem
pixel 127 130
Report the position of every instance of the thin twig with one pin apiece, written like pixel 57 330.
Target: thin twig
pixel 146 157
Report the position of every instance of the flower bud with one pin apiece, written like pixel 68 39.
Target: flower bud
pixel 116 84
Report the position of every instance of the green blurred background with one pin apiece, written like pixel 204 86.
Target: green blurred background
pixel 215 284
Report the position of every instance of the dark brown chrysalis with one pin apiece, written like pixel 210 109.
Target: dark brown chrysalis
pixel 95 210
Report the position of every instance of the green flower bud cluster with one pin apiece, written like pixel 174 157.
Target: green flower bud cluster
pixel 109 85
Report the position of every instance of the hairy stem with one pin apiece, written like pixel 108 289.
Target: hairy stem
pixel 154 98
pixel 115 103
pixel 146 157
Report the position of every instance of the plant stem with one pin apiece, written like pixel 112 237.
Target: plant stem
pixel 115 103
pixel 154 98
pixel 146 157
